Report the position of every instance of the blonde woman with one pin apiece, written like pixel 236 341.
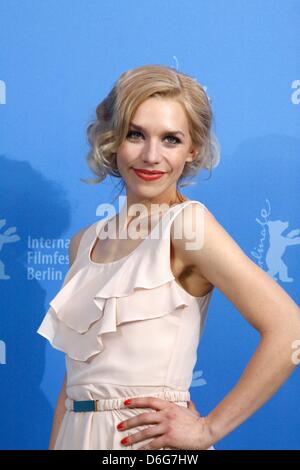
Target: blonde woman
pixel 132 307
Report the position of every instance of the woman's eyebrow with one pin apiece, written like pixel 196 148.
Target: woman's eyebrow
pixel 140 128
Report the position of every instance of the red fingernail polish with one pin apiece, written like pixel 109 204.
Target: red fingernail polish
pixel 120 426
pixel 127 402
pixel 124 441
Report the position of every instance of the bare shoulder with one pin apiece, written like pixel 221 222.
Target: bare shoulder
pixel 187 226
pixel 205 244
pixel 222 262
pixel 74 243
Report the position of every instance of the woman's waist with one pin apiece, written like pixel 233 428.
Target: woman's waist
pixel 106 404
pixel 112 396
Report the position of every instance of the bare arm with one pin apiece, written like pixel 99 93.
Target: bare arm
pixel 265 305
pixel 60 405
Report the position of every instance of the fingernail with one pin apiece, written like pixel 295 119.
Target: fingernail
pixel 120 426
pixel 124 441
pixel 127 402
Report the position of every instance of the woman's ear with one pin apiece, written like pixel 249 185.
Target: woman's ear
pixel 192 154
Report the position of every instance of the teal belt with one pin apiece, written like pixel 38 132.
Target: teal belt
pixel 85 405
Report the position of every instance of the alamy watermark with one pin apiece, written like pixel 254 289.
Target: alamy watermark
pixel 142 214
pixel 2 92
pixel 2 352
pixel 296 354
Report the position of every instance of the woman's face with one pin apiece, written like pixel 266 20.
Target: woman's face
pixel 158 140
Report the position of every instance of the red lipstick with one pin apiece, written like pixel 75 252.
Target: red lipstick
pixel 148 175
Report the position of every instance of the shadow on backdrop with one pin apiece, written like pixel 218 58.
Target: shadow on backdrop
pixel 36 207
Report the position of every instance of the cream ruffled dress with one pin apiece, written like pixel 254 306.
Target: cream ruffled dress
pixel 127 329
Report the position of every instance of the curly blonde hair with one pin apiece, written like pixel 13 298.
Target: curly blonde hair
pixel 113 115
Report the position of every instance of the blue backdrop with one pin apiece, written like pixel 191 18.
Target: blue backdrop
pixel 58 60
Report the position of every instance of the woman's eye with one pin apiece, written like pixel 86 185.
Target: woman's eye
pixel 177 141
pixel 132 134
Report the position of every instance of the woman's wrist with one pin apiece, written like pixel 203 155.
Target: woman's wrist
pixel 205 435
pixel 211 435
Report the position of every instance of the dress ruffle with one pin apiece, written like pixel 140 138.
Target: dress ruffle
pixel 119 299
pixel 96 298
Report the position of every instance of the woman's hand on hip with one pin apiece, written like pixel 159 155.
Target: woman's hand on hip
pixel 170 425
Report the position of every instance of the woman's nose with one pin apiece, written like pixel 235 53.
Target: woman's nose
pixel 152 152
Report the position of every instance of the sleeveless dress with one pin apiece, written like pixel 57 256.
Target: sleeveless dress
pixel 127 329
